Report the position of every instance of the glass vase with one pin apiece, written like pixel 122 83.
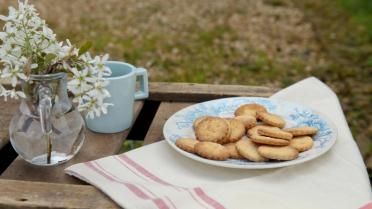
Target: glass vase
pixel 47 129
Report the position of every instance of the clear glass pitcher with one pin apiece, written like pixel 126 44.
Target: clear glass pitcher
pixel 47 129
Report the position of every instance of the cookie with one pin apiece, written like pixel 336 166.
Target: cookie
pixel 254 130
pixel 269 140
pixel 278 153
pixel 249 109
pixel 212 129
pixel 249 121
pixel 302 131
pixel 198 120
pixel 271 119
pixel 233 151
pixel 302 143
pixel 186 144
pixel 275 132
pixel 237 129
pixel 212 151
pixel 248 150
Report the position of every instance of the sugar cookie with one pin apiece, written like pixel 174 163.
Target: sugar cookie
pixel 254 130
pixel 302 143
pixel 250 109
pixel 249 121
pixel 198 120
pixel 211 150
pixel 212 129
pixel 271 119
pixel 237 129
pixel 186 144
pixel 278 153
pixel 269 140
pixel 233 151
pixel 274 132
pixel 248 150
pixel 302 131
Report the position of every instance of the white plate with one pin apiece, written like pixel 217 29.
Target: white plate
pixel 179 125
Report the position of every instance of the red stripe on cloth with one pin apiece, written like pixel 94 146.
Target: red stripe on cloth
pixel 135 173
pixel 134 189
pixel 368 206
pixel 208 199
pixel 147 173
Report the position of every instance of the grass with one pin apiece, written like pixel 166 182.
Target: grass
pixel 265 42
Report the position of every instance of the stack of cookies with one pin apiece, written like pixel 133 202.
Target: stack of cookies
pixel 253 134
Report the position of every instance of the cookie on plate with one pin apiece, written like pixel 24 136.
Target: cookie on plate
pixel 278 153
pixel 274 132
pixel 249 121
pixel 212 151
pixel 198 120
pixel 302 131
pixel 269 140
pixel 248 150
pixel 233 151
pixel 271 119
pixel 186 144
pixel 249 109
pixel 237 129
pixel 254 130
pixel 302 143
pixel 212 129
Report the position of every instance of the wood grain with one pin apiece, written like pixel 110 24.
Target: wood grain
pixel 165 110
pixel 7 110
pixel 95 146
pixel 25 195
pixel 191 92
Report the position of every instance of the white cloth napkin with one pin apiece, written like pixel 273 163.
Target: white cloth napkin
pixel 156 176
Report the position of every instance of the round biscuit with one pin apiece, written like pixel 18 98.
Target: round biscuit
pixel 254 130
pixel 186 144
pixel 302 143
pixel 278 153
pixel 271 119
pixel 275 132
pixel 248 150
pixel 249 109
pixel 212 151
pixel 237 129
pixel 302 131
pixel 198 120
pixel 212 129
pixel 233 151
pixel 269 140
pixel 249 121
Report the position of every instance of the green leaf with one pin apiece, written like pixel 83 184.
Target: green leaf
pixel 49 57
pixel 85 47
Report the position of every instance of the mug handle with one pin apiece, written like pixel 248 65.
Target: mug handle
pixel 143 92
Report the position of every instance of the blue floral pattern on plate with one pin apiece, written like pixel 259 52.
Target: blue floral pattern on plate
pixel 180 125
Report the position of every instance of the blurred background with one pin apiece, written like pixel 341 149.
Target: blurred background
pixel 259 42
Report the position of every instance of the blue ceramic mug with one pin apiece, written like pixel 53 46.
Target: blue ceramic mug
pixel 122 88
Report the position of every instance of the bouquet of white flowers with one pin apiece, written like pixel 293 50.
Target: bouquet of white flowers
pixel 28 47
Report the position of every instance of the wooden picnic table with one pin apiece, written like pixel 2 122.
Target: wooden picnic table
pixel 26 186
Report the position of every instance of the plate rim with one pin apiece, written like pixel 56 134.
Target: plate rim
pixel 260 166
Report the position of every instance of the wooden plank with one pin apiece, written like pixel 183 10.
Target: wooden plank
pixel 165 110
pixel 191 92
pixel 95 146
pixel 25 195
pixel 7 110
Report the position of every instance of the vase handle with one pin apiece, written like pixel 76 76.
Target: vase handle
pixel 45 110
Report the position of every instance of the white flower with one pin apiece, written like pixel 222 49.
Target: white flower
pixel 14 74
pixel 79 83
pixel 102 69
pixel 16 94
